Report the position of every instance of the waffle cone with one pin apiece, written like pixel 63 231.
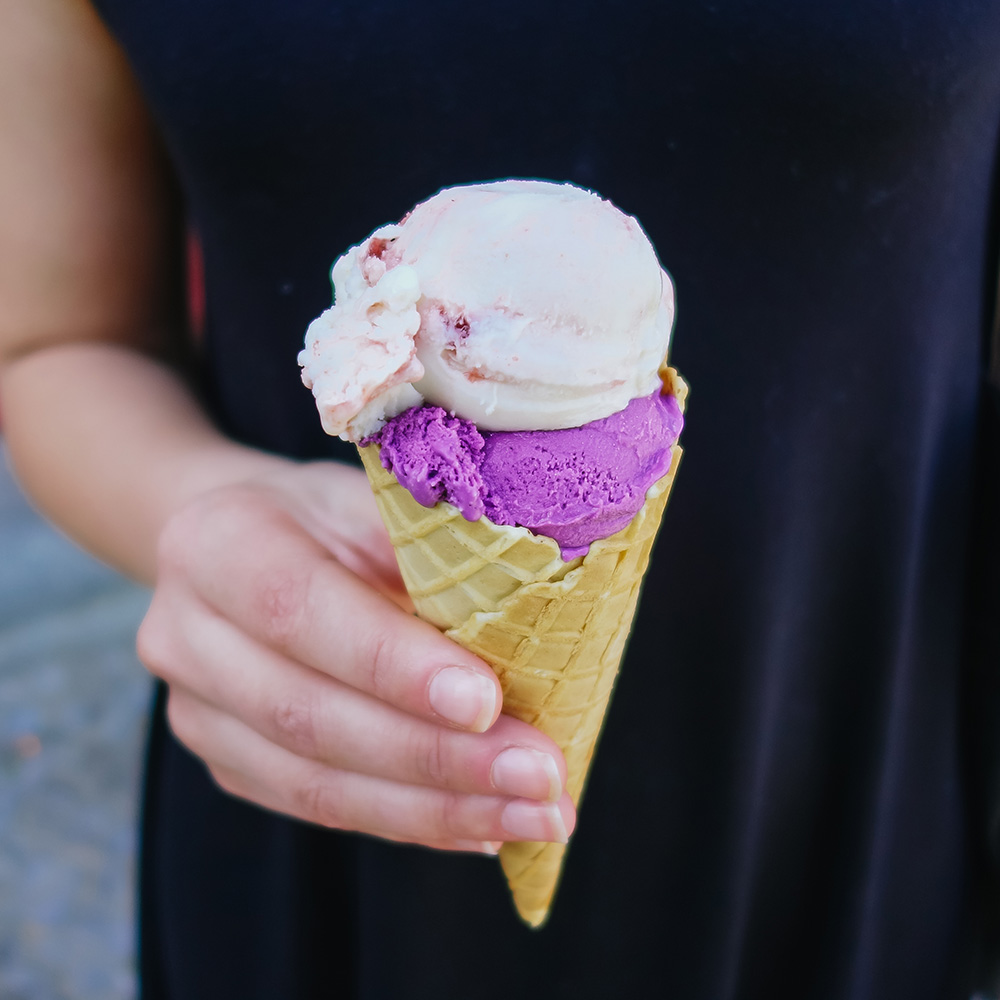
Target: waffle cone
pixel 554 631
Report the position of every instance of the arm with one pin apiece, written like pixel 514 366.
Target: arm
pixel 261 566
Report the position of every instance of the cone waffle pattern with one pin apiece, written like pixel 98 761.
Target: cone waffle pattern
pixel 553 631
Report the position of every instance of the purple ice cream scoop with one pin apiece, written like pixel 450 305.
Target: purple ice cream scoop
pixel 436 457
pixel 574 485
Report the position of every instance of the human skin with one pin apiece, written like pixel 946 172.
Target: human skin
pixel 259 565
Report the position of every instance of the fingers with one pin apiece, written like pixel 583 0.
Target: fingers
pixel 313 716
pixel 365 548
pixel 306 690
pixel 246 764
pixel 287 591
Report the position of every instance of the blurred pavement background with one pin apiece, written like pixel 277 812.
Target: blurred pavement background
pixel 73 701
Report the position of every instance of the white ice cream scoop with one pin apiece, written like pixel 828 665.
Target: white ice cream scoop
pixel 519 305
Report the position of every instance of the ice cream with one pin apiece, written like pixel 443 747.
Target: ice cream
pixel 519 305
pixel 499 357
pixel 574 485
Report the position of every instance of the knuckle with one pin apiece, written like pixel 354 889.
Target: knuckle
pixel 318 800
pixel 179 717
pixel 431 756
pixel 158 643
pixel 229 781
pixel 452 817
pixel 294 721
pixel 279 599
pixel 151 643
pixel 177 545
pixel 381 654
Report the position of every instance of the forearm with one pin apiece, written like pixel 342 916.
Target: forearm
pixel 109 443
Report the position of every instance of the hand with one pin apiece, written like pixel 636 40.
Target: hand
pixel 281 626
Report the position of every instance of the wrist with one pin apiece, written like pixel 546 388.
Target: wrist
pixel 110 444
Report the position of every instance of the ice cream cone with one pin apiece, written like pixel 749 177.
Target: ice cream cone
pixel 553 631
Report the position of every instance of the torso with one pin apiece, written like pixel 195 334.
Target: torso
pixel 819 182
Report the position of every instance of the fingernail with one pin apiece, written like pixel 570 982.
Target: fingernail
pixel 534 821
pixel 527 774
pixel 479 847
pixel 463 697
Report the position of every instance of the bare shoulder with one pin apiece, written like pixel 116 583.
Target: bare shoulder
pixel 89 226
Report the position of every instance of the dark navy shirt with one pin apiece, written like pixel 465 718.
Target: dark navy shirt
pixel 783 803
